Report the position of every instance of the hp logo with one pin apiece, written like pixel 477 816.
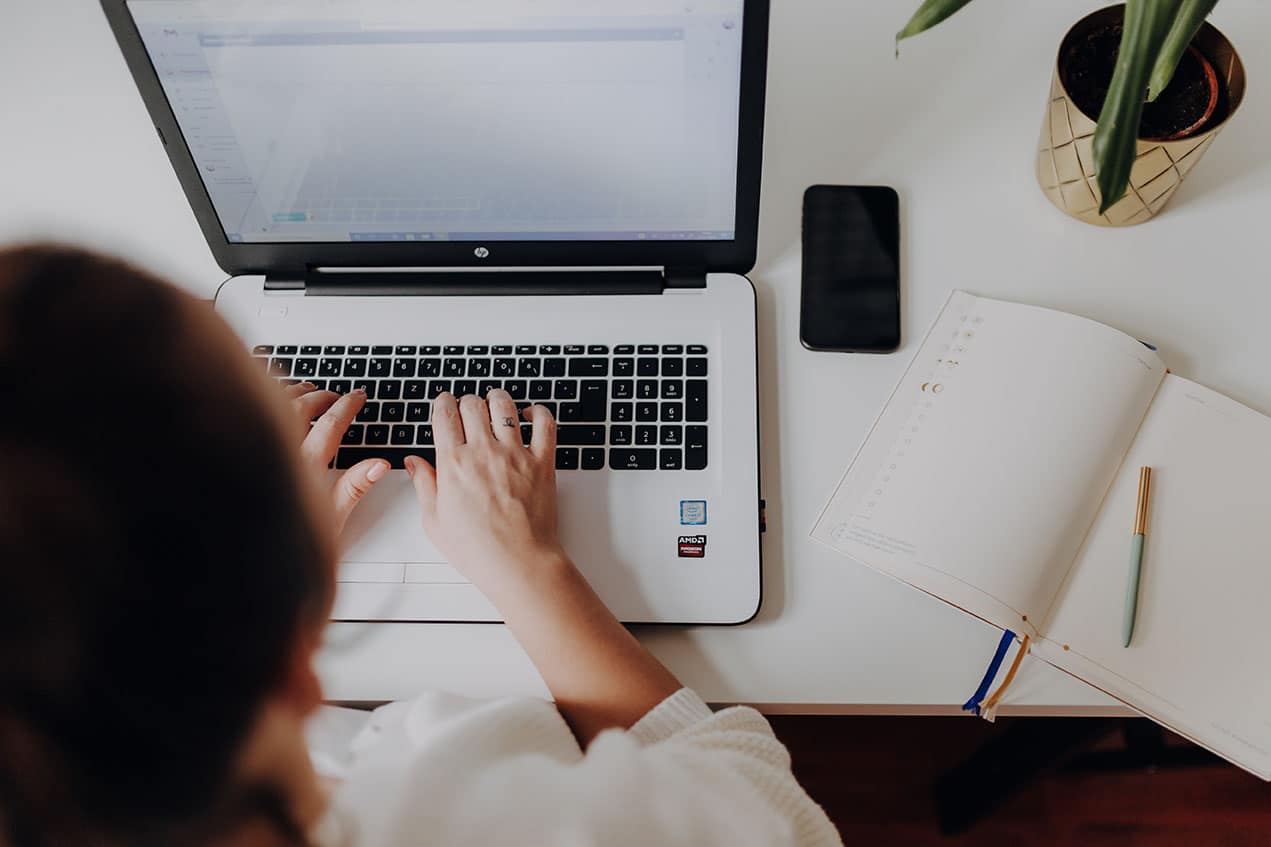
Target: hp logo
pixel 481 253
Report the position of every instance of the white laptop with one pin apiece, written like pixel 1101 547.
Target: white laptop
pixel 554 197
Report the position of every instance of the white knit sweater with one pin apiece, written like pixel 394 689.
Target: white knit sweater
pixel 449 771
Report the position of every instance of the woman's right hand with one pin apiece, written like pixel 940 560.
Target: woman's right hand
pixel 490 503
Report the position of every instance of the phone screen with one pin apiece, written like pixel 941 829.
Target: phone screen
pixel 851 269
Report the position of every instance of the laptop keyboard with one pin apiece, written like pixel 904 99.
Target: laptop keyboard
pixel 632 407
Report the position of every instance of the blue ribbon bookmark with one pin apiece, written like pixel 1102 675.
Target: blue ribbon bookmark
pixel 973 705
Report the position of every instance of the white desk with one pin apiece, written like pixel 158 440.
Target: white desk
pixel 79 160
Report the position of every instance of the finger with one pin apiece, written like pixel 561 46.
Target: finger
pixel 447 427
pixel 424 476
pixel 354 484
pixel 310 405
pixel 476 419
pixel 543 440
pixel 324 436
pixel 299 389
pixel 503 417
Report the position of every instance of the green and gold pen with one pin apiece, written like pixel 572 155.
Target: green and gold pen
pixel 1136 556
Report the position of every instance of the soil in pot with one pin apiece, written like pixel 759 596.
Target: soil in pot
pixel 1086 69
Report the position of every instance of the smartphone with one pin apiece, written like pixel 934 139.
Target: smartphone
pixel 851 269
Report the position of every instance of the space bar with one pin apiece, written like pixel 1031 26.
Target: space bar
pixel 396 456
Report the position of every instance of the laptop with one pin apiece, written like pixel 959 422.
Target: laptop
pixel 558 198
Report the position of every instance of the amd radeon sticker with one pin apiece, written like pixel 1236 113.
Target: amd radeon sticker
pixel 692 546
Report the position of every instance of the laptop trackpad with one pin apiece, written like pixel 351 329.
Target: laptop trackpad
pixel 384 540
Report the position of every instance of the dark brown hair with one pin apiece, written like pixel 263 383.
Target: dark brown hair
pixel 158 559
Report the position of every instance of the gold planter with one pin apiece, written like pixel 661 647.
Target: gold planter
pixel 1065 161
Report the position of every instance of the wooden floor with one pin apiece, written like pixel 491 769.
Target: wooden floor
pixel 877 778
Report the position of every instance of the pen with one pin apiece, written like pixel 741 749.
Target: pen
pixel 1136 556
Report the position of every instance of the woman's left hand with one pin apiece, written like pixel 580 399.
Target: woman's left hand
pixel 331 415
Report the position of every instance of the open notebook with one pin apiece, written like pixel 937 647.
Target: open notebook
pixel 1002 477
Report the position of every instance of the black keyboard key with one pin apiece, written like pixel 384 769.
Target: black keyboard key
pixel 697 349
pixel 333 350
pixel 367 385
pixel 549 350
pixel 429 367
pixel 453 350
pixel 647 349
pixel 429 350
pixel 529 367
pixel 377 434
pixel 416 389
pixel 574 436
pixel 262 349
pixel 526 349
pixel 502 350
pixel 695 400
pixel 553 367
pixel 280 367
pixel 570 413
pixel 646 435
pixel 593 459
pixel 382 350
pixel 646 412
pixel 424 435
pixel 540 389
pixel 287 350
pixel 694 448
pixel 403 368
pixel 454 367
pixel 305 367
pixel 624 367
pixel 392 412
pixel 670 459
pixel 672 367
pixel 379 367
pixel 405 350
pixel 353 435
pixel 329 368
pixel 403 434
pixel 696 367
pixel 620 435
pixel 390 389
pixel 566 458
pixel 311 350
pixel 478 350
pixel 597 350
pixel 485 386
pixel 633 459
pixel 479 367
pixel 624 350
pixel 647 389
pixel 504 367
pixel 518 388
pixel 527 434
pixel 589 367
pixel 647 367
pixel 567 389
pixel 465 386
pixel 622 389
pixel 417 412
pixel 672 349
pixel 438 387
pixel 595 395
pixel 355 367
pixel 369 413
pixel 672 412
pixel 522 406
pixel 340 386
pixel 574 349
pixel 396 456
pixel 318 384
pixel 672 436
pixel 672 389
pixel 359 351
pixel 621 412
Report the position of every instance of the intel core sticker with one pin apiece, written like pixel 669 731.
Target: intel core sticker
pixel 692 512
pixel 692 546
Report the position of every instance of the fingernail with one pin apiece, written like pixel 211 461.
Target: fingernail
pixel 377 471
pixel 409 462
pixel 360 391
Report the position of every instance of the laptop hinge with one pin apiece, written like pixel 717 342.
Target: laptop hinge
pixel 448 283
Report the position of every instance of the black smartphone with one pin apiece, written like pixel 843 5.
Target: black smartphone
pixel 851 269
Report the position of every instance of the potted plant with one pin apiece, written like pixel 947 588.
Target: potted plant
pixel 1139 92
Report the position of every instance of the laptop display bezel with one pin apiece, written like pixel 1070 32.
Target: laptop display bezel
pixel 736 255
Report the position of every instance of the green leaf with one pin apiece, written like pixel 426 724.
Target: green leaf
pixel 1190 16
pixel 930 13
pixel 1116 137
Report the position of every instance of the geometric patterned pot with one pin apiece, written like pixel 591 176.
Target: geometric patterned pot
pixel 1065 161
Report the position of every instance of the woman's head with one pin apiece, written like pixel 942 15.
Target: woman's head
pixel 161 558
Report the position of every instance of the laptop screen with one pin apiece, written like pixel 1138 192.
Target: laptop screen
pixel 479 120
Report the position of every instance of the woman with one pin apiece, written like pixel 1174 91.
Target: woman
pixel 166 569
